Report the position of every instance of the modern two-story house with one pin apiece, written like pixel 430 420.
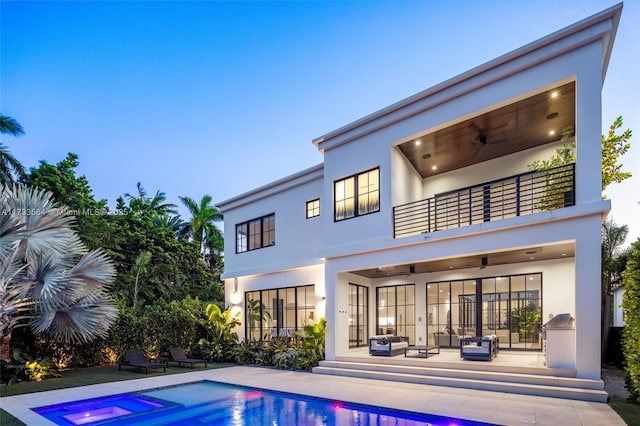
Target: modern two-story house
pixel 427 220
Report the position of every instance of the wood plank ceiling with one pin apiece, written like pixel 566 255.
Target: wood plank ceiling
pixel 515 127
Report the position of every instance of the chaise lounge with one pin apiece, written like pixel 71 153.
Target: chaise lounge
pixel 135 358
pixel 180 357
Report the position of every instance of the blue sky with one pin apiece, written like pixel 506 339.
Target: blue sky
pixel 218 98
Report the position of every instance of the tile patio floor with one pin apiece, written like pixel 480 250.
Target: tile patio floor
pixel 490 407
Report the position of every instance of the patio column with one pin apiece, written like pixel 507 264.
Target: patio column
pixel 332 334
pixel 587 315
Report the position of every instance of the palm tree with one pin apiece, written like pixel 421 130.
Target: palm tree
pixel 49 281
pixel 155 205
pixel 201 225
pixel 171 223
pixel 140 266
pixel 9 165
pixel 612 238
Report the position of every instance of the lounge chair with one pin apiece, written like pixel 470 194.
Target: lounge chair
pixel 135 358
pixel 180 357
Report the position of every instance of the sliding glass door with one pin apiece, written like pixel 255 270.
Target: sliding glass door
pixel 358 315
pixel 509 307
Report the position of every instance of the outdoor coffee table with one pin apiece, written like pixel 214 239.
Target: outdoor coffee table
pixel 423 350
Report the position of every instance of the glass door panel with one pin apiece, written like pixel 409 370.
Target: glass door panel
pixel 510 307
pixel 526 311
pixel 358 315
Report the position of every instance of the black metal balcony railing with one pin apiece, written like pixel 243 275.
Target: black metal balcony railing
pixel 518 195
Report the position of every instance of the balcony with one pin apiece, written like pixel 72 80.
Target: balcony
pixel 519 195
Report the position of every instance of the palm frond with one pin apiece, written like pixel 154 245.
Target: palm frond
pixel 10 126
pixel 10 167
pixel 47 226
pixel 48 279
pixel 91 277
pixel 10 232
pixel 81 321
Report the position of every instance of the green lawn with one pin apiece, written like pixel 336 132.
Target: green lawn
pixel 629 411
pixel 82 377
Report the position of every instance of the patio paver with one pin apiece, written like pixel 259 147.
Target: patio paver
pixel 490 407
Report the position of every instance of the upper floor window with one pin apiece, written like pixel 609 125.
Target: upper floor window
pixel 357 195
pixel 313 208
pixel 256 233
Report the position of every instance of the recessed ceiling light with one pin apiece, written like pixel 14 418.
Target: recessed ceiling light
pixel 554 94
pixel 434 167
pixel 450 267
pixel 552 132
pixel 564 254
pixel 418 142
pixel 531 258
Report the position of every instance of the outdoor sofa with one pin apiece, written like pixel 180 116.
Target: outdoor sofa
pixel 387 345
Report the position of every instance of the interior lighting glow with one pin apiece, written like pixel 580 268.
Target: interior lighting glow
pixel 418 142
pixel 554 94
pixel 434 167
pixel 552 132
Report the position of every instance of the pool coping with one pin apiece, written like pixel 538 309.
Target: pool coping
pixel 484 406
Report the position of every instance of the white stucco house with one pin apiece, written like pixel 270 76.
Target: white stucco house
pixel 425 219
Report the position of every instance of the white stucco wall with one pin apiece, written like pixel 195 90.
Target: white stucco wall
pixel 298 239
pixel 487 171
pixel 291 278
pixel 406 182
pixel 374 149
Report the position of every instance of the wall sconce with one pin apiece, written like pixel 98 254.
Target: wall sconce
pixel 235 298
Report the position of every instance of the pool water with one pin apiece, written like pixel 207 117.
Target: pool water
pixel 212 403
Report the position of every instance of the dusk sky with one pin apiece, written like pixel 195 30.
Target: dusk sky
pixel 194 98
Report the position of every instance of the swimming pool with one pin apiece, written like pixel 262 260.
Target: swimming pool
pixel 212 403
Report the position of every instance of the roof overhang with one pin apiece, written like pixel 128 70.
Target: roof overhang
pixel 601 26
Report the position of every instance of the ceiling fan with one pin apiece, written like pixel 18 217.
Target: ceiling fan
pixel 482 138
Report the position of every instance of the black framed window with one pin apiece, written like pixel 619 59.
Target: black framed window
pixel 256 233
pixel 357 195
pixel 395 312
pixel 313 208
pixel 278 312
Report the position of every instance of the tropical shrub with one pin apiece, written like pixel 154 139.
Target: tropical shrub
pixel 221 341
pixel 157 327
pixel 313 346
pixel 631 332
pixel 245 352
pixel 286 360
